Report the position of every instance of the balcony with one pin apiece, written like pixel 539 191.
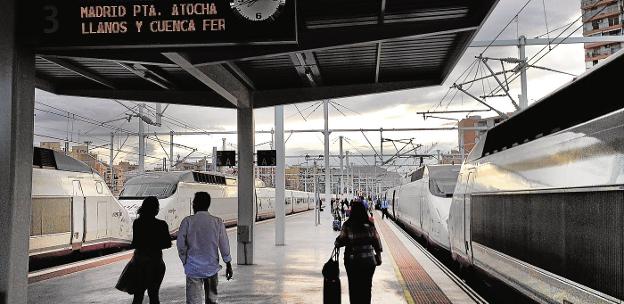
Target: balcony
pixel 589 4
pixel 604 29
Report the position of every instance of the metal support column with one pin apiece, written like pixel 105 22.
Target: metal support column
pixel 381 155
pixel 305 179
pixel 462 151
pixel 171 151
pixel 111 158
pixel 317 196
pixel 280 180
pixel 214 159
pixel 246 186
pixel 141 140
pixel 524 98
pixel 326 154
pixel 341 191
pixel 349 188
pixel 17 98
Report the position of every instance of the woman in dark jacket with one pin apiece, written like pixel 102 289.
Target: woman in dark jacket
pixel 150 237
pixel 362 253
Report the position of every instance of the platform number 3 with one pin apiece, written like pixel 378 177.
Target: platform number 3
pixel 51 18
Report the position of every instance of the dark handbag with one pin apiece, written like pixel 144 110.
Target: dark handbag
pixel 331 279
pixel 129 279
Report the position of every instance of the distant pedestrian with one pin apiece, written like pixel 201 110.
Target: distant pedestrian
pixel 364 201
pixel 362 253
pixel 149 237
pixel 384 209
pixel 342 210
pixel 200 239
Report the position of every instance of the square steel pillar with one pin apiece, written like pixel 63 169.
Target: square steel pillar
pixel 246 185
pixel 17 97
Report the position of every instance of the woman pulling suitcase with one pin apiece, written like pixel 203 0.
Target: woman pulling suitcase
pixel 362 253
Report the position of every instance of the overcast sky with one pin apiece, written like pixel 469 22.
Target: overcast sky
pixel 389 110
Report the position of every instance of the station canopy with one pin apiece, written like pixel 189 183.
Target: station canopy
pixel 342 48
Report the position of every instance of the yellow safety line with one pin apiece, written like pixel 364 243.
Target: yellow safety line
pixel 406 293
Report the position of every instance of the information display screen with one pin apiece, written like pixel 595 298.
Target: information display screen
pixel 75 24
pixel 226 158
pixel 266 158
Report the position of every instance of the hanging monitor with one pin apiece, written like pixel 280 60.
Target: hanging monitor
pixel 266 158
pixel 226 158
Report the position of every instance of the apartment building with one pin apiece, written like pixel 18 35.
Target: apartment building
pixel 601 18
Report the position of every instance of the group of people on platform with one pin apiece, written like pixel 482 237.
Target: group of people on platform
pixel 200 238
pixel 341 208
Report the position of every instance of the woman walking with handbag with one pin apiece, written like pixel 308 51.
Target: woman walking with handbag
pixel 150 237
pixel 362 253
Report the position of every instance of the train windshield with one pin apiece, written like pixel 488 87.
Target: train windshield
pixel 159 190
pixel 442 180
pixel 442 187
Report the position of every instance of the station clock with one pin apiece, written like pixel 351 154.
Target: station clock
pixel 258 10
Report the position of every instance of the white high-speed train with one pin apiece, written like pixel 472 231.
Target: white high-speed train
pixel 72 208
pixel 423 204
pixel 175 192
pixel 539 201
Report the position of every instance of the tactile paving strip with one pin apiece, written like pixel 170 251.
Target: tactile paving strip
pixel 422 288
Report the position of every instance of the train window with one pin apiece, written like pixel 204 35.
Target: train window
pixel 130 190
pixel 157 190
pixel 418 174
pixel 442 187
pixel 160 191
pixel 99 188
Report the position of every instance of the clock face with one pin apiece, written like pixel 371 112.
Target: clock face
pixel 258 10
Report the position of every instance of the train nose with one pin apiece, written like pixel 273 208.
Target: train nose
pixel 132 206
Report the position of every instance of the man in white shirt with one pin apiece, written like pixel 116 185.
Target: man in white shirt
pixel 200 239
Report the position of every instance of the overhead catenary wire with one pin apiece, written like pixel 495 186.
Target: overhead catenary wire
pixel 533 61
pixel 77 117
pixel 505 27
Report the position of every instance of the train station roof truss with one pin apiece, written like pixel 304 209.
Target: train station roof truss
pixel 345 48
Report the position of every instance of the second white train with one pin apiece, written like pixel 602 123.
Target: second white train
pixel 175 191
pixel 423 204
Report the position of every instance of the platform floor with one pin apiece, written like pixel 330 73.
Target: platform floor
pixel 282 274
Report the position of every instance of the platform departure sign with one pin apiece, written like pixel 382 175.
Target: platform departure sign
pixel 226 158
pixel 266 158
pixel 93 24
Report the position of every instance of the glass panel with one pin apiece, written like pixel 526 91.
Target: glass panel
pixel 442 187
pixel 144 190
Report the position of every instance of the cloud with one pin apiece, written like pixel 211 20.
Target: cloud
pixel 388 110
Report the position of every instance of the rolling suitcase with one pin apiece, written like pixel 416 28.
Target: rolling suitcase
pixel 337 225
pixel 331 279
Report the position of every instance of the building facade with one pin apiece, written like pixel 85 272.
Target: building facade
pixel 468 136
pixel 601 18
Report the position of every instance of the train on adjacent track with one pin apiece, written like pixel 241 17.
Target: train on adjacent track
pixel 539 202
pixel 72 208
pixel 175 191
pixel 74 211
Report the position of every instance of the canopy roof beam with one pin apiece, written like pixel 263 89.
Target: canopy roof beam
pixel 84 72
pixel 215 77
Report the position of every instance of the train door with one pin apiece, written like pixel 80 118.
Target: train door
pixel 467 230
pixel 102 216
pixel 102 211
pixel 78 215
pixel 258 205
pixel 393 205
